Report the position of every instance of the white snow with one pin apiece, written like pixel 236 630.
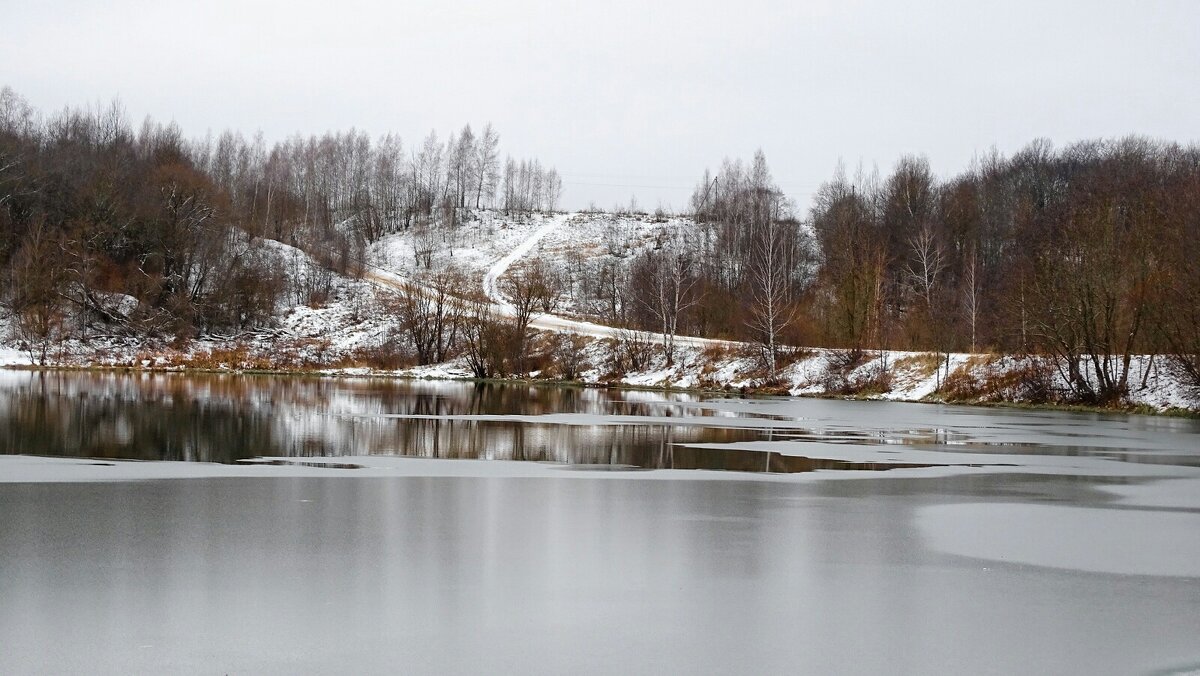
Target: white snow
pixel 339 334
pixel 494 273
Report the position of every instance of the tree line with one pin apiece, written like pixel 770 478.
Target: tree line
pixel 108 228
pixel 1087 254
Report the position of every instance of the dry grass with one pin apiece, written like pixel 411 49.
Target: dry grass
pixel 920 365
pixel 790 355
pixel 235 358
pixel 839 378
pixel 387 356
pixel 1031 380
pixel 716 352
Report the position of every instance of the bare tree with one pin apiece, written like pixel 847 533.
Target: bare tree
pixel 553 190
pixel 34 298
pixel 529 289
pixel 671 288
pixel 570 356
pixel 771 309
pixel 927 263
pixel 431 315
pixel 388 181
pixel 486 166
pixel 462 160
pixel 631 351
pixel 486 339
pixel 854 260
pixel 424 244
pixel 971 294
pixel 427 174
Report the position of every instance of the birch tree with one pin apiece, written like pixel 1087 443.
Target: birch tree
pixel 770 269
pixel 486 167
pixel 927 263
pixel 670 288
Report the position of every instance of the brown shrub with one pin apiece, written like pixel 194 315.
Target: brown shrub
pixel 387 356
pixel 922 364
pixel 236 358
pixel 716 352
pixel 630 351
pixel 839 378
pixel 570 356
pixel 1029 380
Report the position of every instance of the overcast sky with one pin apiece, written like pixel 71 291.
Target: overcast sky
pixel 634 98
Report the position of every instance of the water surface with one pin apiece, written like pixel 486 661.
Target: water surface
pixel 377 526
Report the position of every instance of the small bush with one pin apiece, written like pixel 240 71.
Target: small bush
pixel 235 358
pixel 716 352
pixel 874 381
pixel 387 356
pixel 569 355
pixel 631 351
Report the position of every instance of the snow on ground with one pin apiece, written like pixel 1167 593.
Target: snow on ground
pixel 472 247
pixel 492 278
pixel 11 357
pixel 484 238
pixel 618 235
pixel 332 338
pixel 350 331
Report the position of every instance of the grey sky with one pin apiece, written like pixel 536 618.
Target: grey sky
pixel 632 97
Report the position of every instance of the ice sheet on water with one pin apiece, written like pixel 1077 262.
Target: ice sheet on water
pixel 1093 539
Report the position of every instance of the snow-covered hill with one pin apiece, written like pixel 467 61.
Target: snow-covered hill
pixel 350 330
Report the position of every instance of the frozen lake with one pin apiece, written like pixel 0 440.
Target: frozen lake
pixel 287 525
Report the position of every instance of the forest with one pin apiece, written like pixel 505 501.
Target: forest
pixel 1086 253
pixel 92 210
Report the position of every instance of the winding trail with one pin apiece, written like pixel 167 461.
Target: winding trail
pixel 491 280
pixel 552 322
pixel 546 322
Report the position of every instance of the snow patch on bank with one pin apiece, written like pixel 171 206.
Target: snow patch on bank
pixel 350 330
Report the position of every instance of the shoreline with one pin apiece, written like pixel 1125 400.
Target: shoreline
pixel 740 392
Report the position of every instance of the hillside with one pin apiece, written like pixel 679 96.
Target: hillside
pixel 351 329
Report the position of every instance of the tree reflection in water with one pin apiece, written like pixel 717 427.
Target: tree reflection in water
pixel 227 418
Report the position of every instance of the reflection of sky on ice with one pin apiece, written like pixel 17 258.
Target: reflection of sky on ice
pixel 1120 541
pixel 583 573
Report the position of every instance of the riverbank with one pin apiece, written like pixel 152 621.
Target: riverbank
pixel 985 380
pixel 354 330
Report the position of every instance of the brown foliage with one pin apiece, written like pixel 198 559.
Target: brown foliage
pixel 1029 379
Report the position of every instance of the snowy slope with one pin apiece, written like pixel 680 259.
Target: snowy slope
pixel 353 328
